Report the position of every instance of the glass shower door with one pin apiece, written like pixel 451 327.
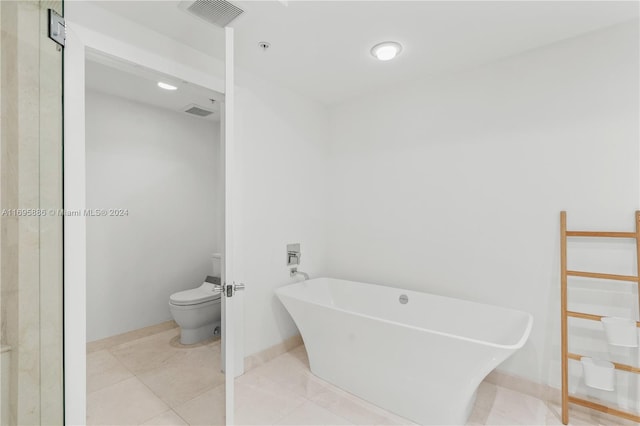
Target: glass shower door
pixel 31 374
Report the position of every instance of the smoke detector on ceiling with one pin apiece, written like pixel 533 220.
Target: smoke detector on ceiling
pixel 216 12
pixel 197 110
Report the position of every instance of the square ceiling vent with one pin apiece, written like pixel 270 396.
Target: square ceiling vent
pixel 197 110
pixel 216 12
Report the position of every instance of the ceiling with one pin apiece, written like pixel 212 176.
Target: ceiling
pixel 130 81
pixel 321 48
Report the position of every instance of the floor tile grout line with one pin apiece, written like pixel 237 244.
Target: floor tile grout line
pixel 179 416
pixel 120 362
pixel 119 381
pixel 170 409
pixel 276 422
pixel 152 417
pixel 142 381
pixel 198 395
pixel 145 371
pixel 111 384
pixel 171 358
pixel 154 394
pixel 169 406
pixel 166 402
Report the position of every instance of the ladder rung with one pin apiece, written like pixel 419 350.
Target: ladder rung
pixel 618 366
pixel 590 316
pixel 603 276
pixel 584 316
pixel 604 408
pixel 601 234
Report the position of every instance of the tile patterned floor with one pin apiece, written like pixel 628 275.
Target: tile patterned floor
pixel 153 380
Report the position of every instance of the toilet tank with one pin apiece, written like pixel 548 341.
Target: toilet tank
pixel 216 263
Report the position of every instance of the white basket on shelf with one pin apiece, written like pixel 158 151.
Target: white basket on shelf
pixel 598 373
pixel 620 331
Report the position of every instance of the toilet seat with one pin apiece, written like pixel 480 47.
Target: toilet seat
pixel 205 293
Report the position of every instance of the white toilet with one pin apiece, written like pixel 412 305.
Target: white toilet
pixel 197 311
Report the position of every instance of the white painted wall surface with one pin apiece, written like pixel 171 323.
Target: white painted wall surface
pixel 164 167
pixel 281 158
pixel 454 185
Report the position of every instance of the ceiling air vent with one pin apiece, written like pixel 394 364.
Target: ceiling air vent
pixel 196 110
pixel 216 12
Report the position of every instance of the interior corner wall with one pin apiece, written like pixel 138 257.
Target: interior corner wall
pixel 163 167
pixel 454 185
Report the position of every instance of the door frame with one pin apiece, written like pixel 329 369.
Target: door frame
pixel 232 307
pixel 78 41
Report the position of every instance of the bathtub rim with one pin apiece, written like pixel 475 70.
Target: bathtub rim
pixel 519 344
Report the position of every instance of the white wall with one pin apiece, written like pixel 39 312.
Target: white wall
pixel 164 167
pixel 454 185
pixel 281 158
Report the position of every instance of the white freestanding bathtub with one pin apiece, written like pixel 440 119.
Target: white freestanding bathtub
pixel 418 355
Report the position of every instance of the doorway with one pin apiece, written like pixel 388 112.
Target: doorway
pixel 83 44
pixel 154 183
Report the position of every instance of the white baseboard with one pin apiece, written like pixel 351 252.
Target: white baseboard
pixel 264 356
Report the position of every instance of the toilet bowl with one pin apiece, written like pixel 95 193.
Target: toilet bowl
pixel 197 311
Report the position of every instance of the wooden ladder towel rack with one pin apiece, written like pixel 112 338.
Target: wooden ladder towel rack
pixel 565 314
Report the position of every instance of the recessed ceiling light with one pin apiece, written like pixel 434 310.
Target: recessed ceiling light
pixel 166 86
pixel 386 51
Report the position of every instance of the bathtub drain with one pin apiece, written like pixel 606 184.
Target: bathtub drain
pixel 403 299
